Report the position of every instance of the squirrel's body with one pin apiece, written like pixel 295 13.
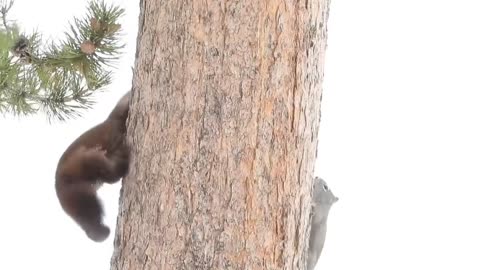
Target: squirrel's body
pixel 323 199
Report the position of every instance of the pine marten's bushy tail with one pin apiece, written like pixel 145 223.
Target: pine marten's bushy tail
pixel 79 200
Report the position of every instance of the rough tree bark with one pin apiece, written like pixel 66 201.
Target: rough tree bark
pixel 223 128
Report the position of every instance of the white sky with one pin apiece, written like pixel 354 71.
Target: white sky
pixel 399 142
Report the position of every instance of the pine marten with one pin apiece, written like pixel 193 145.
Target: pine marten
pixel 100 155
pixel 323 199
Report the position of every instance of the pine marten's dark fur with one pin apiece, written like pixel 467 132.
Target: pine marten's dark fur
pixel 100 155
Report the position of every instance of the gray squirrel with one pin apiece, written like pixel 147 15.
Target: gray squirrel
pixel 323 199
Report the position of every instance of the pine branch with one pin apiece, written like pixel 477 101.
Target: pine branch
pixel 60 78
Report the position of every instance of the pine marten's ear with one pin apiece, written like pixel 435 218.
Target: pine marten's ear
pixel 121 109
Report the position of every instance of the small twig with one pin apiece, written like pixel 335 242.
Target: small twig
pixel 4 10
pixel 4 19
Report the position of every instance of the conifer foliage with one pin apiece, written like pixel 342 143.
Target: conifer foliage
pixel 59 77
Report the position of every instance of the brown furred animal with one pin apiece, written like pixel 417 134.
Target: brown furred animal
pixel 100 155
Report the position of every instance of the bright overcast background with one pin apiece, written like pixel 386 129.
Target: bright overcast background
pixel 399 142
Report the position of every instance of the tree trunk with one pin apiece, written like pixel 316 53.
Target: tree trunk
pixel 223 128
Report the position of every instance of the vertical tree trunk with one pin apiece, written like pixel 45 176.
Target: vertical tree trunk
pixel 223 127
